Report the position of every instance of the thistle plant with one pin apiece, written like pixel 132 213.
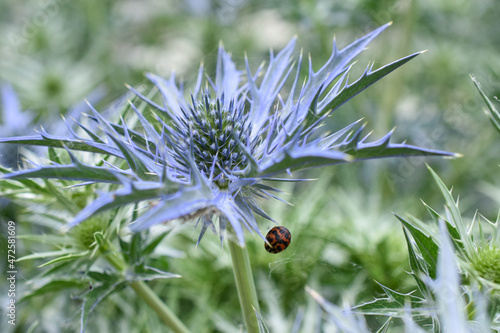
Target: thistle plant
pixel 207 155
pixel 455 264
pixel 210 154
pixel 446 307
pixel 455 267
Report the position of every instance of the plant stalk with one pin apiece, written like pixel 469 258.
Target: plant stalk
pixel 166 315
pixel 141 288
pixel 245 285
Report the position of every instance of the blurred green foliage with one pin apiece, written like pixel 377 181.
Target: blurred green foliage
pixel 344 237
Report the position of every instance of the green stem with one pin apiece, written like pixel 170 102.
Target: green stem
pixel 166 315
pixel 141 288
pixel 245 285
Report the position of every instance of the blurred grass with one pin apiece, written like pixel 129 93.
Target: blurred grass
pixel 344 237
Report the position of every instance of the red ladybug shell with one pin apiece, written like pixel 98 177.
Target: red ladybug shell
pixel 279 238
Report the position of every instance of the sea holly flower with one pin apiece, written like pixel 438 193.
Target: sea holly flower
pixel 212 153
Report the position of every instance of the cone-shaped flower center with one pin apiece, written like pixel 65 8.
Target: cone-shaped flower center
pixel 487 263
pixel 216 133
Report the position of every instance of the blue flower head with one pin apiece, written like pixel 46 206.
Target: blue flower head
pixel 210 154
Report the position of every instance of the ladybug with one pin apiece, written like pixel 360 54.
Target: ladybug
pixel 279 238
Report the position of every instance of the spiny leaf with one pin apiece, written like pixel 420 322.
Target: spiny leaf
pixel 336 65
pixel 151 273
pixel 381 148
pixel 262 326
pixel 451 229
pixel 298 159
pixel 455 214
pixel 135 252
pixel 344 319
pixel 138 159
pixel 55 285
pixel 135 136
pixel 41 255
pixel 426 245
pixel 276 74
pixel 92 135
pixel 188 203
pixel 367 79
pixel 132 192
pixel 494 114
pixel 386 325
pixel 48 140
pixel 56 240
pixel 101 276
pixel 394 305
pixel 418 267
pixel 97 295
pixel 64 201
pixel 151 246
pixel 82 172
pixel 28 183
pixel 308 157
pixel 63 267
pixel 66 257
pixel 54 156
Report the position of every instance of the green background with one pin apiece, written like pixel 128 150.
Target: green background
pixel 344 236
